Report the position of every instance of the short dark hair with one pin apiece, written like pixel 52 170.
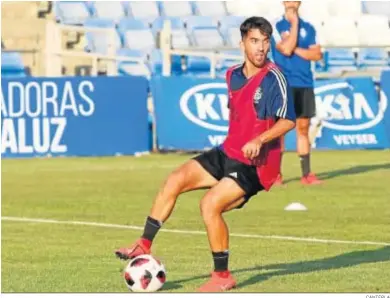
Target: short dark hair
pixel 260 23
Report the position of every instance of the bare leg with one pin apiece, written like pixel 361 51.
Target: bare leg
pixel 303 142
pixel 189 176
pixel 221 198
pixel 216 201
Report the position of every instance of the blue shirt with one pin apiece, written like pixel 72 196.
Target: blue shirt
pixel 297 70
pixel 276 100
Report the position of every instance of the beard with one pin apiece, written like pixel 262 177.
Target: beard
pixel 258 62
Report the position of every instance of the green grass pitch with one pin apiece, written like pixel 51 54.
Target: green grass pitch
pixel 354 205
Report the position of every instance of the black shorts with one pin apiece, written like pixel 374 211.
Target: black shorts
pixel 304 102
pixel 219 165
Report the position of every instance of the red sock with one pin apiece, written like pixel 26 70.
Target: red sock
pixel 147 243
pixel 223 274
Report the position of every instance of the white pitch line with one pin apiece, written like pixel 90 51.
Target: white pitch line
pixel 251 236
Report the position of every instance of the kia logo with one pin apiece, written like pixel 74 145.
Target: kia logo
pixel 207 106
pixel 333 106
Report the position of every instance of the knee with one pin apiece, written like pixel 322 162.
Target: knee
pixel 303 128
pixel 174 183
pixel 209 209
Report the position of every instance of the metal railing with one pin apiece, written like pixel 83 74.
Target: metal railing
pixel 54 51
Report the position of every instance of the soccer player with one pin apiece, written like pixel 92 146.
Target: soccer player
pixel 261 111
pixel 294 46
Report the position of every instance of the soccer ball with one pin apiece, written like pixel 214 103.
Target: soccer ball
pixel 144 274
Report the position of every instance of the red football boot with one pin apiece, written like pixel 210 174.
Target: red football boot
pixel 311 179
pixel 141 247
pixel 219 282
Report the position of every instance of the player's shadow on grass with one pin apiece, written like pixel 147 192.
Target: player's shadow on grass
pixel 337 262
pixel 346 172
pixel 171 285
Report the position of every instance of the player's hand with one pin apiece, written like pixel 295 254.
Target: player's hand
pixel 292 16
pixel 252 149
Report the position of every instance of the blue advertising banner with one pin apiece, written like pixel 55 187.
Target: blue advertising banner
pixel 192 114
pixel 351 115
pixel 74 116
pixel 385 97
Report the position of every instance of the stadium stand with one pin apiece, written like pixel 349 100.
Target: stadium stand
pixel 230 29
pixel 112 10
pixel 347 34
pixel 71 13
pixel 210 8
pixel 179 36
pixel 207 37
pixel 338 8
pixel 176 8
pixel 314 11
pixel 373 57
pixel 341 58
pixel 137 34
pixel 134 68
pixel 143 9
pixel 376 8
pixel 99 42
pixel 23 32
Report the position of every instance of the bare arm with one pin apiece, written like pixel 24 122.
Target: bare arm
pixel 287 45
pixel 281 127
pixel 313 53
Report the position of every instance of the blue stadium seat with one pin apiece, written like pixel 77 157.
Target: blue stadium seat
pixel 143 9
pixel 71 13
pixel 114 10
pixel 137 34
pixel 133 24
pixel 12 65
pixel 180 37
pixel 176 23
pixel 152 60
pixel 132 53
pixel 133 68
pixel 230 28
pixel 224 64
pixel 376 7
pixel 231 21
pixel 198 66
pixel 233 37
pixel 340 59
pixel 373 57
pixel 199 21
pixel 207 38
pixel 211 8
pixel 99 42
pixel 176 8
pixel 156 61
pixel 204 32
